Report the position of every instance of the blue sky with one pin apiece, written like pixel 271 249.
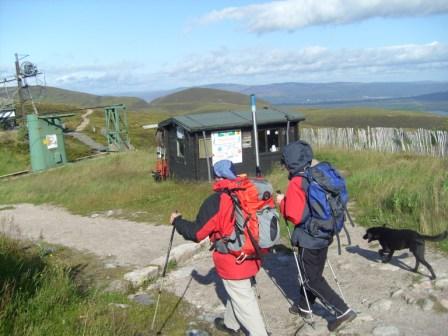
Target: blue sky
pixel 114 46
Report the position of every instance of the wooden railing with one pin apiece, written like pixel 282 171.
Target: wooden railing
pixel 419 141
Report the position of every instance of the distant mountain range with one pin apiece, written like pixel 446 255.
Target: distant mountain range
pixel 48 95
pixel 416 96
pixel 407 95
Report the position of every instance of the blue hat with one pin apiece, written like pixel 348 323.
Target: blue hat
pixel 224 169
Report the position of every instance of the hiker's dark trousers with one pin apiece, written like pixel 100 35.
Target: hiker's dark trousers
pixel 312 263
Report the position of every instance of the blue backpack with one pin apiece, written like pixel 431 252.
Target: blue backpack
pixel 327 201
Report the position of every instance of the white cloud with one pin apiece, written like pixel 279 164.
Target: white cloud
pixel 309 63
pixel 256 66
pixel 291 15
pixel 97 78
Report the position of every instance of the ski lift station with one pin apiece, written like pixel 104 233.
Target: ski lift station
pixel 46 140
pixel 194 142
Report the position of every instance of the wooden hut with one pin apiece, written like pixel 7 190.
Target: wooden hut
pixel 194 142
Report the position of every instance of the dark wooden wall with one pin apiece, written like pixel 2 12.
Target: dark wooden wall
pixel 192 168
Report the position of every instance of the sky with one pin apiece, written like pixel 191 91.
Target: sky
pixel 116 46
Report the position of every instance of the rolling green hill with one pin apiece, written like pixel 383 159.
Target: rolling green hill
pixel 362 117
pixel 195 100
pixel 44 96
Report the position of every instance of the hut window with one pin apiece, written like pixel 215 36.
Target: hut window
pixel 247 139
pixel 180 141
pixel 205 148
pixel 269 140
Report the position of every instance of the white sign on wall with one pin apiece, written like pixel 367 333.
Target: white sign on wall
pixel 226 145
pixel 51 140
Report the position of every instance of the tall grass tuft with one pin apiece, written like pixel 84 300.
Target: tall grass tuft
pixel 399 190
pixel 39 296
pixel 118 181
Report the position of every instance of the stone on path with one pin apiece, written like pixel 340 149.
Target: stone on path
pixel 139 276
pixel 386 331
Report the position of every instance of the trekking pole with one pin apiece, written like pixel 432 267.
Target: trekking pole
pixel 257 294
pixel 349 217
pixel 335 279
pixel 163 277
pixel 302 282
pixel 347 234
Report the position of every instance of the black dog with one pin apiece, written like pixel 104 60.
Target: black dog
pixel 392 240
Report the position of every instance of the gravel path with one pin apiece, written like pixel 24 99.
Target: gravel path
pixel 85 121
pixel 389 299
pixel 128 243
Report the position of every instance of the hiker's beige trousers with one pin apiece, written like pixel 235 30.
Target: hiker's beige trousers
pixel 242 308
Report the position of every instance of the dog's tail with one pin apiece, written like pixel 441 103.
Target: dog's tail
pixel 439 237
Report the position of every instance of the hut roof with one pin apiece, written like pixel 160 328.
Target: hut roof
pixel 231 119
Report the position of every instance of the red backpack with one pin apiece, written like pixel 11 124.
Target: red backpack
pixel 256 226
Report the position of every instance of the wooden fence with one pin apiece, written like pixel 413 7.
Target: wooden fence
pixel 419 141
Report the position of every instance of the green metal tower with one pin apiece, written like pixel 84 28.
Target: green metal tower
pixel 117 128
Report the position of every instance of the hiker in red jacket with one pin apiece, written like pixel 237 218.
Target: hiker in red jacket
pixel 296 157
pixel 215 220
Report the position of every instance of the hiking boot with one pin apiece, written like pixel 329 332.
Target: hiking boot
pixel 296 310
pixel 348 316
pixel 219 324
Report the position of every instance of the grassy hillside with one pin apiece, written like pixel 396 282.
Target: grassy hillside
pixel 140 138
pixel 47 290
pixel 203 100
pixel 14 149
pixel 56 96
pixel 398 189
pixel 15 152
pixel 363 117
pixel 123 180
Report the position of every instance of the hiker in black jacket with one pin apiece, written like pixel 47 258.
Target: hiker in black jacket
pixel 296 157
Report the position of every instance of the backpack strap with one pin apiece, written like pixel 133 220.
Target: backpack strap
pixel 238 207
pixel 335 230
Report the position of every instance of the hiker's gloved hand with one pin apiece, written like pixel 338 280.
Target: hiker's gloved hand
pixel 174 215
pixel 279 198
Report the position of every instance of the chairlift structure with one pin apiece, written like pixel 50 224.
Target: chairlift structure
pixel 117 134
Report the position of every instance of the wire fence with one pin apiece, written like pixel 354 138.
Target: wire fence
pixel 419 141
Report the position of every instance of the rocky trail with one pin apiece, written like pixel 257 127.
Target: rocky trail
pixel 389 299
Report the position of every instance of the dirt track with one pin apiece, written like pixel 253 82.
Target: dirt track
pixel 389 299
pixel 123 242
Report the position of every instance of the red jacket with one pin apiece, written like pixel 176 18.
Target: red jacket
pixel 294 206
pixel 215 220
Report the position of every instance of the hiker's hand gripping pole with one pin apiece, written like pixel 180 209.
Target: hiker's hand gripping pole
pixel 280 197
pixel 164 269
